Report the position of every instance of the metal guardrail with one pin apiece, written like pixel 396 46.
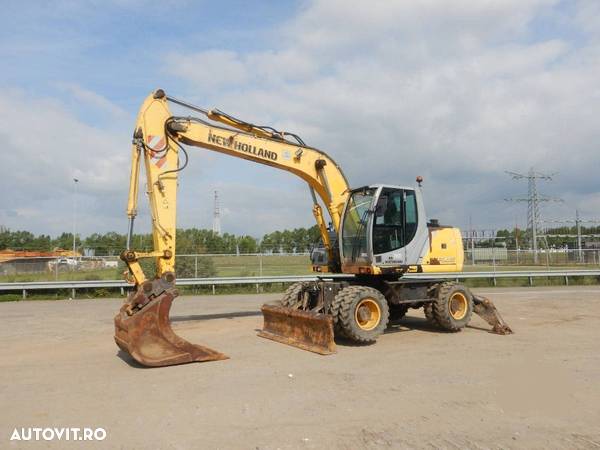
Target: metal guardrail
pixel 494 275
pixel 216 281
pixel 33 285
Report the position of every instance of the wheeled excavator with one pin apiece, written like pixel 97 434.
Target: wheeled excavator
pixel 373 239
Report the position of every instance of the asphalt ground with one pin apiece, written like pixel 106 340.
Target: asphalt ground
pixel 417 387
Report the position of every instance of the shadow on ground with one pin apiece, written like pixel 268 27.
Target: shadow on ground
pixel 126 357
pixel 231 315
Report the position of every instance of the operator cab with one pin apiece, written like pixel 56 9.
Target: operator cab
pixel 383 229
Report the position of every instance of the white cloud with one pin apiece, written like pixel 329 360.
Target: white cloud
pixel 455 90
pixel 45 146
pixel 211 68
pixel 93 99
pixel 587 17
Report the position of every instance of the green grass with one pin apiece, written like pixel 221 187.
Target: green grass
pixel 244 266
pixel 272 265
pixel 83 275
pixel 537 281
pixel 62 294
pixel 226 266
pixel 280 287
pixel 250 266
pixel 511 268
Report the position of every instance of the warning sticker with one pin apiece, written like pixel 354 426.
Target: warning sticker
pixel 157 145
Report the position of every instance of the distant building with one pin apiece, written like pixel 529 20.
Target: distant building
pixel 591 245
pixel 12 262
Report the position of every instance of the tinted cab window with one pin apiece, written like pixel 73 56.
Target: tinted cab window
pixel 395 223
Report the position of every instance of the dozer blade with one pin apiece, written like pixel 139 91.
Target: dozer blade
pixel 303 329
pixel 486 309
pixel 147 335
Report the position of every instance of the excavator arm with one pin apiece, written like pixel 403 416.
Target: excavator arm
pixel 142 326
pixel 157 141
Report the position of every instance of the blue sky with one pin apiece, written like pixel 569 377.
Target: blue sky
pixel 457 91
pixel 117 49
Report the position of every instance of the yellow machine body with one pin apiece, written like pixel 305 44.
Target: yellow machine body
pixel 446 252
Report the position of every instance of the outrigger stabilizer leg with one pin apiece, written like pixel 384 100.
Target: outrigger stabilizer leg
pixel 485 308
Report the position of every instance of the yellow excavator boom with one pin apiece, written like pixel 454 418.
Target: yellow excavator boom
pixel 142 327
pixel 157 141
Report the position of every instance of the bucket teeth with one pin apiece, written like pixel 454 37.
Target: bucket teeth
pixel 303 329
pixel 147 336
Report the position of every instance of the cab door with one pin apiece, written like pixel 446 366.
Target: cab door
pixel 399 231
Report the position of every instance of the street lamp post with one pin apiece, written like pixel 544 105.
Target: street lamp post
pixel 75 180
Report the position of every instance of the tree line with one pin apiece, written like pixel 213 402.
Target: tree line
pixel 188 241
pixel 198 241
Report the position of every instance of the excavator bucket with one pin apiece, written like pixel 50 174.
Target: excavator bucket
pixel 147 336
pixel 485 308
pixel 303 329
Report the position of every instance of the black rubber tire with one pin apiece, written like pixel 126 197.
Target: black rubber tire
pixel 335 310
pixel 349 298
pixel 397 312
pixel 292 294
pixel 441 306
pixel 428 310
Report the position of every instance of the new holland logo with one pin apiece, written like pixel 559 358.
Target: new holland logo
pixel 244 148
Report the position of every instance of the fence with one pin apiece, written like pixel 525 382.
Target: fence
pixel 24 287
pixel 501 257
pixel 273 264
pixel 188 266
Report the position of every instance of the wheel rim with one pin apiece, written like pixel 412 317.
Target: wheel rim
pixel 458 305
pixel 367 314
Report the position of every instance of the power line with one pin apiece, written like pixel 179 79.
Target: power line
pixel 533 199
pixel 578 221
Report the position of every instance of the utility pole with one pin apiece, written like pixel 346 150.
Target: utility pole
pixel 216 216
pixel 578 225
pixel 472 240
pixel 75 181
pixel 533 203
